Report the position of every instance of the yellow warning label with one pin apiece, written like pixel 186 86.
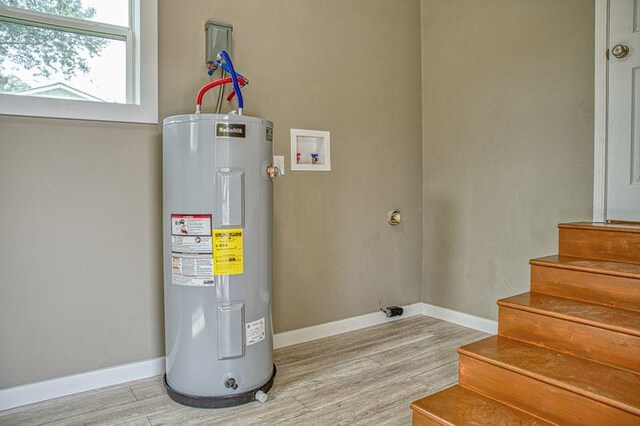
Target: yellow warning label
pixel 227 251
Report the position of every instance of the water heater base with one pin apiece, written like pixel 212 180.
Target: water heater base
pixel 218 401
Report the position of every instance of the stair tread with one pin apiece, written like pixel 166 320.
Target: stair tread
pixel 602 316
pixel 609 385
pixel 599 226
pixel 607 267
pixel 458 405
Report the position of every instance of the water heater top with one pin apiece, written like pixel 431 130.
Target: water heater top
pixel 190 118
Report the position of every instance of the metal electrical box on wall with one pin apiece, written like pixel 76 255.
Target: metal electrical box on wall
pixel 218 37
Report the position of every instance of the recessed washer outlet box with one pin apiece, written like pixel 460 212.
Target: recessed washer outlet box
pixel 310 150
pixel 218 37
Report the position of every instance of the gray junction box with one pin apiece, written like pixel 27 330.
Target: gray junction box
pixel 217 214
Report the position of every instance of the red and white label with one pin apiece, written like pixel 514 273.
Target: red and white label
pixel 196 224
pixel 191 250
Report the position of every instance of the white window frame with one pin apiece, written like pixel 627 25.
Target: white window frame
pixel 142 68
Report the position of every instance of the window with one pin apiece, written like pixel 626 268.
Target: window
pixel 86 59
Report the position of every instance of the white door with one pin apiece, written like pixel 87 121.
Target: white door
pixel 623 147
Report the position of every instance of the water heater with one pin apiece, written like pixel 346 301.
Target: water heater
pixel 217 258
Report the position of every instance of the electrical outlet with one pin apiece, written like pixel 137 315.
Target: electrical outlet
pixel 278 161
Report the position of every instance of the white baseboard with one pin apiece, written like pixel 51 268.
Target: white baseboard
pixel 82 382
pixel 461 318
pixel 301 335
pixel 333 328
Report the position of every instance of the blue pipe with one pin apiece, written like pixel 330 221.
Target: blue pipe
pixel 228 69
pixel 234 78
pixel 216 64
pixel 225 67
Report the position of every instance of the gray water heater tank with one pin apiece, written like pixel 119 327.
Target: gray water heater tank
pixel 217 259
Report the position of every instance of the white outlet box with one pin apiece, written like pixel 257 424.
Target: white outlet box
pixel 310 150
pixel 278 161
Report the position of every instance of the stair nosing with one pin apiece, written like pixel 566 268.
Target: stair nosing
pixel 566 317
pixel 547 264
pixel 609 228
pixel 554 382
pixel 428 414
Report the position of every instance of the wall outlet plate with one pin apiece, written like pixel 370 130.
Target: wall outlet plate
pixel 278 161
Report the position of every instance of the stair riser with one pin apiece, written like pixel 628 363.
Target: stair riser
pixel 600 244
pixel 597 344
pixel 586 286
pixel 538 398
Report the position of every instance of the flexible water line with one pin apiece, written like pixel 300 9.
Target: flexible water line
pixel 211 85
pixel 235 78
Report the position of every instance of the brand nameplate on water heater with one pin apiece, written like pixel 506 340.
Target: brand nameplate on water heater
pixel 230 130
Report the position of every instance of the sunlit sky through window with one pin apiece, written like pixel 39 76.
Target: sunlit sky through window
pixel 106 78
pixel 114 12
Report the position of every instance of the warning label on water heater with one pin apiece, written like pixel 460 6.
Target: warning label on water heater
pixel 255 332
pixel 191 250
pixel 228 251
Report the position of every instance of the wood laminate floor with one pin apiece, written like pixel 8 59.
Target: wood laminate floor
pixel 366 377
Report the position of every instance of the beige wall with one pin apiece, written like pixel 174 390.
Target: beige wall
pixel 506 145
pixel 350 67
pixel 80 251
pixel 80 202
pixel 507 141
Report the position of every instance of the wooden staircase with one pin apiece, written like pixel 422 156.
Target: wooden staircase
pixel 566 353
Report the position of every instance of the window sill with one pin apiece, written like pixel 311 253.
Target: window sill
pixel 75 109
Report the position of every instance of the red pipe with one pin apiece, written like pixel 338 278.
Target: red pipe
pixel 213 84
pixel 233 94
